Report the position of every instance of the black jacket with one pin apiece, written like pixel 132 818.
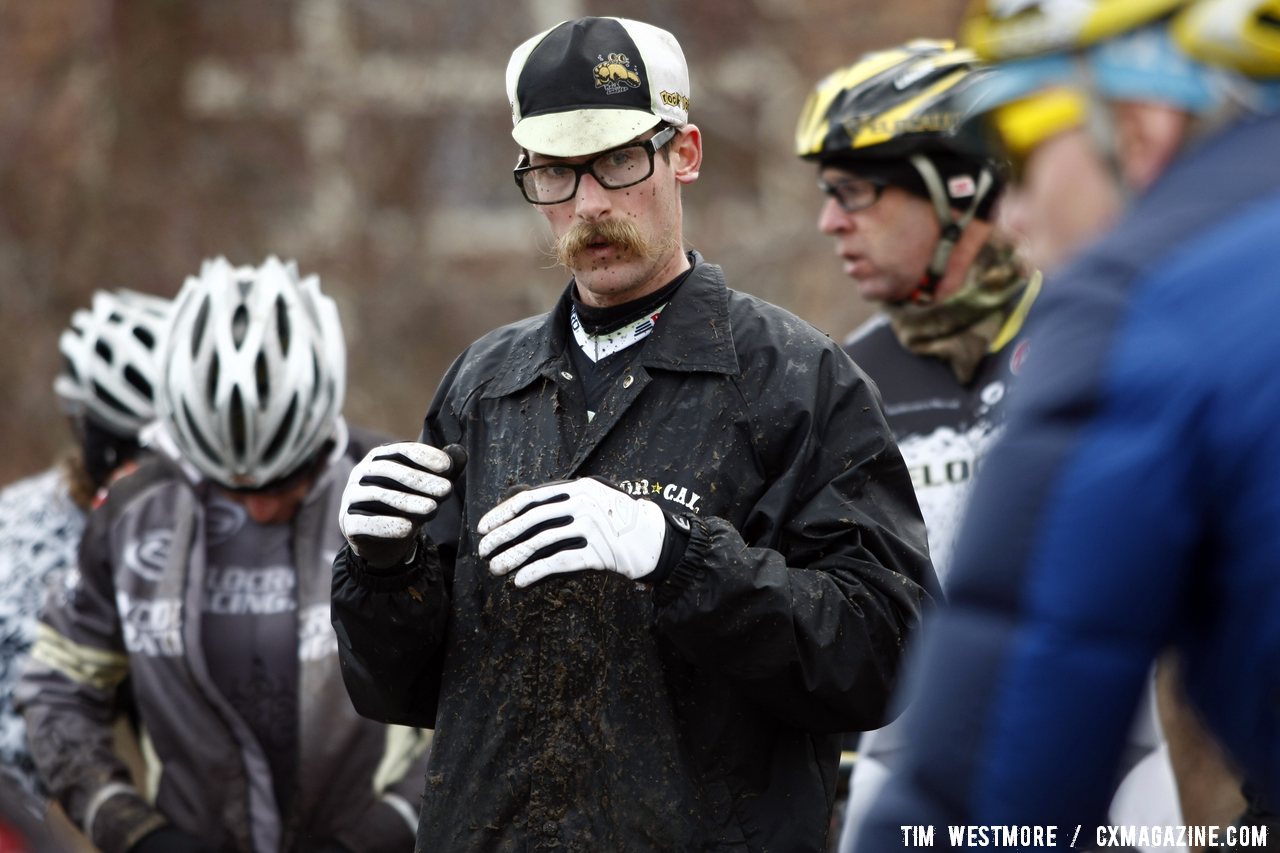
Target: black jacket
pixel 595 713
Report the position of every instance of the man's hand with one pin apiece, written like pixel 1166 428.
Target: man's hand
pixel 571 526
pixel 391 493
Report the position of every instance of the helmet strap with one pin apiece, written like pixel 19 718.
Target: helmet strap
pixel 951 226
pixel 1101 126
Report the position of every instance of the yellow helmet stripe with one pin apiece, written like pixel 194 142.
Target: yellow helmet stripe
pixel 885 126
pixel 812 128
pixel 1025 123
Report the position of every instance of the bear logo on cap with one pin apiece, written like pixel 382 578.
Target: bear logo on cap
pixel 614 74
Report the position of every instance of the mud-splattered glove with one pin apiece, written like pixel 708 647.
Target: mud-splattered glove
pixel 576 525
pixel 391 493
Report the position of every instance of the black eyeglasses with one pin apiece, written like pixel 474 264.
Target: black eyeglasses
pixel 853 194
pixel 624 166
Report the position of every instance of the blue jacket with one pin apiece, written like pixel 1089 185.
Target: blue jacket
pixel 1133 503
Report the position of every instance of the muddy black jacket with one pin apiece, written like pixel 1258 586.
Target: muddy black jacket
pixel 590 712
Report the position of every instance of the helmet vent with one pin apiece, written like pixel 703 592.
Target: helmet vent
pixel 239 438
pixel 198 327
pixel 262 374
pixel 239 325
pixel 205 447
pixel 104 350
pixel 282 324
pixel 105 396
pixel 144 337
pixel 286 426
pixel 138 381
pixel 211 388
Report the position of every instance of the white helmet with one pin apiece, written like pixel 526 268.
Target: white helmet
pixel 255 372
pixel 111 360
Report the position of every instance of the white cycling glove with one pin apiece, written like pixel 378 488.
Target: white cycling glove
pixel 391 493
pixel 571 526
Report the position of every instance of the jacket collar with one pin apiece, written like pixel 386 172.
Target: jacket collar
pixel 693 335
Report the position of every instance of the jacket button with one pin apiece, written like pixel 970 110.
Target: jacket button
pixel 566 374
pixel 626 382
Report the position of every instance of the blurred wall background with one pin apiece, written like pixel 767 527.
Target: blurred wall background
pixel 369 140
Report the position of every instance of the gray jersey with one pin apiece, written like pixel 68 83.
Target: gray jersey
pixel 250 630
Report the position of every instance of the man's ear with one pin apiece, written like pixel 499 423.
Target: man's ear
pixel 1149 136
pixel 686 153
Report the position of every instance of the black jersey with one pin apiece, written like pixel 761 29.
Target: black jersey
pixel 943 427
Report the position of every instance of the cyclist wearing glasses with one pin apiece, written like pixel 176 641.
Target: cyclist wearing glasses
pixel 946 366
pixel 1130 505
pixel 909 202
pixel 684 551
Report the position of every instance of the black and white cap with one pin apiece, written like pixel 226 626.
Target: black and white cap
pixel 592 83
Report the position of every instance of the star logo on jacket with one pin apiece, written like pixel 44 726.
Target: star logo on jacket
pixel 674 492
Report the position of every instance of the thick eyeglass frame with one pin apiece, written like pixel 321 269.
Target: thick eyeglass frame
pixel 836 189
pixel 651 147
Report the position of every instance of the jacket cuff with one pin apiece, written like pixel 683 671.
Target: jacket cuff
pixel 674 545
pixel 688 571
pixel 425 560
pixel 122 820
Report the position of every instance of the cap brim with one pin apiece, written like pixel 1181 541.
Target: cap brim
pixel 578 132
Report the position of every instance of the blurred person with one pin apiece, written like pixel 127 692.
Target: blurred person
pixel 23 828
pixel 683 553
pixel 910 204
pixel 107 389
pixel 204 578
pixel 1130 504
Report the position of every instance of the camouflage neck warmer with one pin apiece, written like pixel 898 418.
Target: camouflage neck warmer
pixel 960 329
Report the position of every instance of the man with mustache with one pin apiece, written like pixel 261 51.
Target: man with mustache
pixel 676 550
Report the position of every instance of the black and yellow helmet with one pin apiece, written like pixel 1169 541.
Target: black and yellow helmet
pixel 900 113
pixel 891 103
pixel 1011 29
pixel 1243 35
